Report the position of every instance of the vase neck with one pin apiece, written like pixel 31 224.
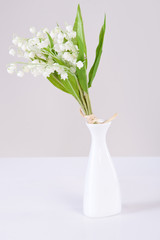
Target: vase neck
pixel 98 131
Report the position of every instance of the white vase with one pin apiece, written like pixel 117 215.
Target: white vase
pixel 101 192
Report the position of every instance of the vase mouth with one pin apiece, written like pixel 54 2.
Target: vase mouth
pixel 100 123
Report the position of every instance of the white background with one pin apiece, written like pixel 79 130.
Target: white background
pixel 41 199
pixel 38 120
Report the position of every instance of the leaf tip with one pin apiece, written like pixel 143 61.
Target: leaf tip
pixel 105 20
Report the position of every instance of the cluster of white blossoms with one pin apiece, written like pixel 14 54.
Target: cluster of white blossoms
pixel 46 52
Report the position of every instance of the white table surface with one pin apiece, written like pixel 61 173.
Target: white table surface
pixel 41 199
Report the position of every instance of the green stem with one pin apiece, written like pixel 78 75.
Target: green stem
pixel 76 96
pixel 85 109
pixel 88 103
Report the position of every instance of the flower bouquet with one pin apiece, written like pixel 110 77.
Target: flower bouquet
pixel 60 55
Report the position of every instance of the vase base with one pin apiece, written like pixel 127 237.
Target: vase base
pixel 107 214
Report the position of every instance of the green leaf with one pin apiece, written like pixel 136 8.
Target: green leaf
pixel 71 84
pixel 56 81
pixel 79 29
pixel 81 73
pixel 55 57
pixel 94 68
pixel 82 56
pixel 57 60
pixel 50 40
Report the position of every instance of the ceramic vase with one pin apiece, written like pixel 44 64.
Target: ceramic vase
pixel 101 191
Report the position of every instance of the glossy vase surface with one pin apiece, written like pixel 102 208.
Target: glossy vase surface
pixel 101 191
